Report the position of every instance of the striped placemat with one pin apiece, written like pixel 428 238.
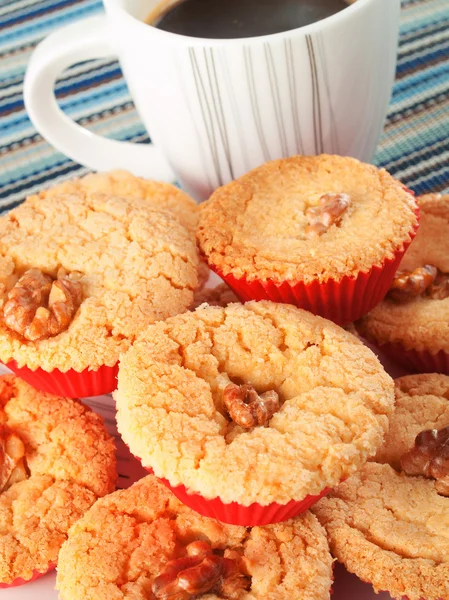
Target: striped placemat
pixel 414 147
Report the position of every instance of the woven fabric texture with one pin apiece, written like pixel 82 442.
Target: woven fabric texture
pixel 414 146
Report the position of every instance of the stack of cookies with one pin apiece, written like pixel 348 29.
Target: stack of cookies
pixel 248 404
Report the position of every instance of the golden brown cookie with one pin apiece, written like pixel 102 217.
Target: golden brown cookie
pixel 123 544
pixel 418 318
pixel 388 523
pixel 56 459
pixel 174 409
pixel 132 266
pixel 259 226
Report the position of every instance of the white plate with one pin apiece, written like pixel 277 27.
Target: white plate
pixel 347 586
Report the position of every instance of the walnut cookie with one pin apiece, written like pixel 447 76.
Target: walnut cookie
pixel 143 543
pixel 388 523
pixel 131 265
pixel 56 459
pixel 316 400
pixel 412 323
pixel 324 233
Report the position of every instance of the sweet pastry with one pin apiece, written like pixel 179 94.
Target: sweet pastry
pixel 143 543
pixel 388 523
pixel 251 412
pixel 56 460
pixel 412 324
pixel 325 233
pixel 80 276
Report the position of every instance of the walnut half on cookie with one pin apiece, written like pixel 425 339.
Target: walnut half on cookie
pixel 247 408
pixel 329 211
pixel 12 459
pixel 39 307
pixel 201 571
pixel 430 457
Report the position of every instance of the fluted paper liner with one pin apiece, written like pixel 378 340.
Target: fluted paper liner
pixel 234 513
pixel 341 301
pixel 70 384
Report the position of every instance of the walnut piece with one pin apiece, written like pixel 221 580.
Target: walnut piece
pixel 430 457
pixel 198 573
pixel 39 307
pixel 12 459
pixel 439 289
pixel 410 284
pixel 246 407
pixel 329 212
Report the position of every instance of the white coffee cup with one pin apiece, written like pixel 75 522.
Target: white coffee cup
pixel 217 108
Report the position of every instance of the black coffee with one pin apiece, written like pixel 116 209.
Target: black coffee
pixel 242 18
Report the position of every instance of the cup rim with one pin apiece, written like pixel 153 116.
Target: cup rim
pixel 334 19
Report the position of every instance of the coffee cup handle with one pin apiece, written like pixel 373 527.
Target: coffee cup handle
pixel 84 40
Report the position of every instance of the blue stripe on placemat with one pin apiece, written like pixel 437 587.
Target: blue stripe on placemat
pixel 414 146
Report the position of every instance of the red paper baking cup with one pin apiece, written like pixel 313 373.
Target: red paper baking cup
pixel 70 384
pixel 340 301
pixel 20 581
pixel 414 360
pixel 234 513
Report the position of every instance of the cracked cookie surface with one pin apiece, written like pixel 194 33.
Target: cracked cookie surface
pixel 136 266
pixel 421 323
pixel 256 226
pixel 335 402
pixel 161 196
pixel 387 527
pixel 391 531
pixel 123 542
pixel 121 183
pixel 70 462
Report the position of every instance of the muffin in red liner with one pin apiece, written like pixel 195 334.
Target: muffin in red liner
pixel 411 325
pixel 56 460
pixel 36 575
pixel 251 412
pixel 138 535
pixel 80 276
pixel 388 522
pixel 340 301
pixel 70 384
pixel 236 514
pixel 325 233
